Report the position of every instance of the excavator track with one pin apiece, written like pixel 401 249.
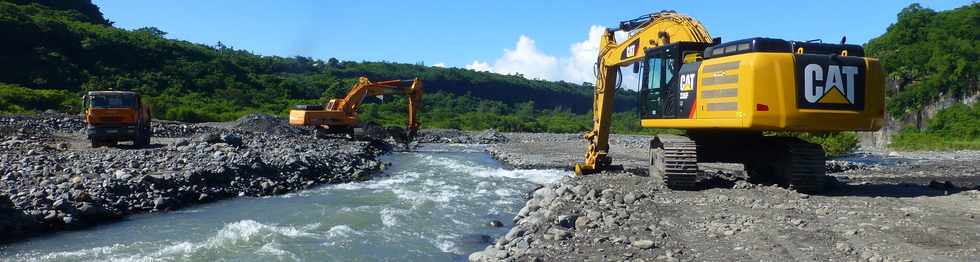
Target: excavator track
pixel 674 162
pixel 803 165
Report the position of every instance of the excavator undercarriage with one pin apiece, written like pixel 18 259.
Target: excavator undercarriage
pixel 785 161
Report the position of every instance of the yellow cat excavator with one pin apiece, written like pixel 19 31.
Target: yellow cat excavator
pixel 340 114
pixel 725 95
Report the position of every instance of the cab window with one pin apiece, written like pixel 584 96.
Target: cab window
pixel 652 96
pixel 113 102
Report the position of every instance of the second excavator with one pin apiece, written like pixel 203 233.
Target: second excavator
pixel 340 114
pixel 726 95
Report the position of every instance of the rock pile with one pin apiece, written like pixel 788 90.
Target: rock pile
pixel 455 136
pixel 267 124
pixel 58 187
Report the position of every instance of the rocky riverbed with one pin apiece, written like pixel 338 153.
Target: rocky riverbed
pixel 891 206
pixel 51 179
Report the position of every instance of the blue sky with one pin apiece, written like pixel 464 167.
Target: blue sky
pixel 477 33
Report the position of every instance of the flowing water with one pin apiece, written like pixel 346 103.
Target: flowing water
pixel 434 204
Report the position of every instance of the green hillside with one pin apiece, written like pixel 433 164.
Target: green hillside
pixel 931 55
pixel 70 48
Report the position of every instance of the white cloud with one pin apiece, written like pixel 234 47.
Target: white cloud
pixel 440 64
pixel 479 66
pixel 580 66
pixel 528 60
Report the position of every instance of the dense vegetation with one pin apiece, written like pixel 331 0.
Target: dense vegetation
pixel 16 99
pixel 957 127
pixel 931 55
pixel 67 47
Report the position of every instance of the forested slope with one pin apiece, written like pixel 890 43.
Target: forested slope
pixel 932 56
pixel 59 49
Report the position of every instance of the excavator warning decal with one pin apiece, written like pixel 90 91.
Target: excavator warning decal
pixel 688 89
pixel 830 82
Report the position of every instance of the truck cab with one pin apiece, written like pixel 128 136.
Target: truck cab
pixel 113 116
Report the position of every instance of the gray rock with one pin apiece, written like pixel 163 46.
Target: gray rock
pixel 182 142
pixel 161 203
pixel 629 198
pixel 501 254
pixel 593 194
pixel 582 222
pixel 545 195
pixel 232 139
pixel 566 221
pixel 121 175
pixel 51 216
pixel 476 257
pixel 496 223
pixel 60 204
pixel 207 138
pixel 88 209
pixel 843 248
pixel 559 234
pixel 515 232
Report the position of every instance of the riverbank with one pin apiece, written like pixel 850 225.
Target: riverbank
pixel 52 180
pixel 883 207
pixel 434 203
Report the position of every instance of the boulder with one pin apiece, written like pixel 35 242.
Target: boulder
pixel 232 139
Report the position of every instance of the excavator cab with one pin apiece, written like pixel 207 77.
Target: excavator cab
pixel 663 92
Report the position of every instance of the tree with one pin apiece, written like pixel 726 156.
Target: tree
pixel 153 31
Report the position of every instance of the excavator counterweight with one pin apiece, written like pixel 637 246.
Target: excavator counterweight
pixel 726 95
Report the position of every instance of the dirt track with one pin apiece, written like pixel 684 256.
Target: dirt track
pixel 883 208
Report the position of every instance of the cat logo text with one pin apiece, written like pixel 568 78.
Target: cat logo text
pixel 835 85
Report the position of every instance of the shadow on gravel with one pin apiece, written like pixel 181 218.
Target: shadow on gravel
pixel 894 190
pixel 716 182
pixel 131 147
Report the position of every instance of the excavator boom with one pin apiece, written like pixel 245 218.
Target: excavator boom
pixel 645 32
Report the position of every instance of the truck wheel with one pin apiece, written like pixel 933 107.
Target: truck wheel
pixel 140 140
pixel 319 132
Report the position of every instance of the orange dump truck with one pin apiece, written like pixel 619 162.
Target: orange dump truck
pixel 114 116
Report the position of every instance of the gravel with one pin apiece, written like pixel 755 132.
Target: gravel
pixel 52 180
pixel 454 136
pixel 902 207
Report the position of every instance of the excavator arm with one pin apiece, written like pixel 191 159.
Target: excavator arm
pixel 341 113
pixel 647 31
pixel 364 88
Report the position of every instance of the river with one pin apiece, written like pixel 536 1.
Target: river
pixel 433 204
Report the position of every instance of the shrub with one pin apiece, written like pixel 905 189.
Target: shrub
pixel 833 143
pixel 953 128
pixel 17 99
